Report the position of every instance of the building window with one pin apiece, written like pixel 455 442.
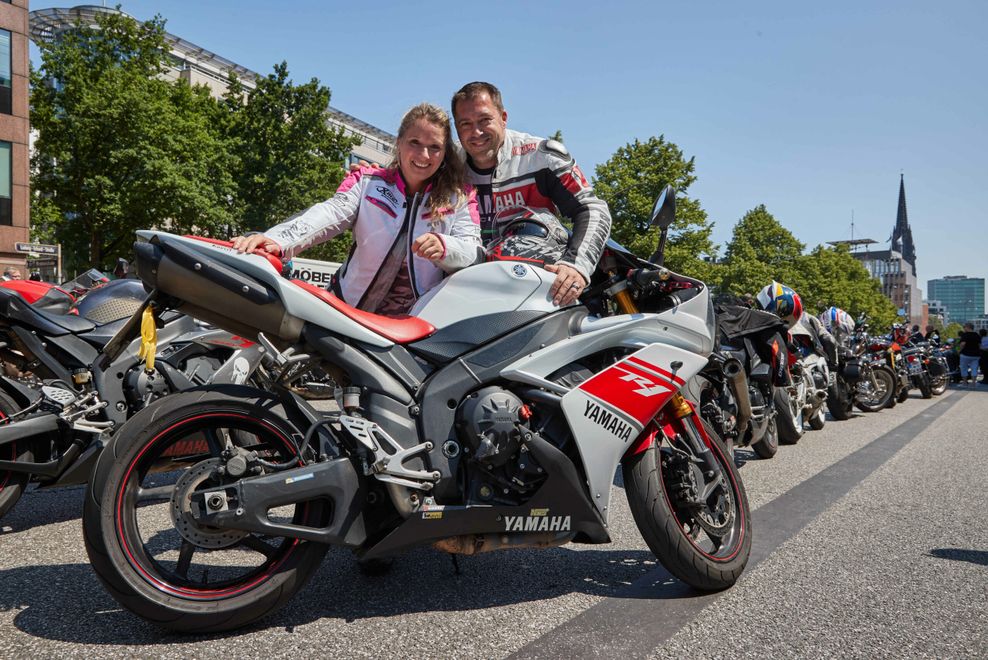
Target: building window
pixel 6 208
pixel 5 73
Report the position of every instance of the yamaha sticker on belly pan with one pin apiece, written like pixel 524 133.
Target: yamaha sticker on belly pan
pixel 538 520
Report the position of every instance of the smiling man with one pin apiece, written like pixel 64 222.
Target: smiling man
pixel 511 169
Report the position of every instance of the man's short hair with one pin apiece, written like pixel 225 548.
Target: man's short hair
pixel 475 89
pixel 10 270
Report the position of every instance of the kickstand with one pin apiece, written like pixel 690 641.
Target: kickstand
pixel 456 565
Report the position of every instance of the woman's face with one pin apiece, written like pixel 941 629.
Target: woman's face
pixel 420 153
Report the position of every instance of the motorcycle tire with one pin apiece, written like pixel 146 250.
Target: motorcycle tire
pixel 903 395
pixel 924 386
pixel 670 529
pixel 790 422
pixel 12 484
pixel 938 385
pixel 126 534
pixel 818 420
pixel 887 399
pixel 839 401
pixel 768 445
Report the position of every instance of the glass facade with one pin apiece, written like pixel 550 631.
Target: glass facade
pixel 962 297
pixel 6 75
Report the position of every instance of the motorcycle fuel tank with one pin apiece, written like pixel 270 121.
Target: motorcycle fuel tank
pixel 489 288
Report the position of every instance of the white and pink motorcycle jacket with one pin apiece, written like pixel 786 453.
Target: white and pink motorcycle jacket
pixel 372 202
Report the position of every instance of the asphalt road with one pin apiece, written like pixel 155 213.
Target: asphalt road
pixel 869 541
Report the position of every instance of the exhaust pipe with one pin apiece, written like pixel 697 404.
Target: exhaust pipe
pixel 734 372
pixel 474 544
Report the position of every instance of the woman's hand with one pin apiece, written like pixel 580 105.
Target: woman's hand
pixel 254 242
pixel 429 246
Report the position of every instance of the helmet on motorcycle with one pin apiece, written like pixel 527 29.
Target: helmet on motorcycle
pixel 781 301
pixel 836 320
pixel 525 234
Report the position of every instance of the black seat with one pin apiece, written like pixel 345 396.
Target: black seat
pixel 17 309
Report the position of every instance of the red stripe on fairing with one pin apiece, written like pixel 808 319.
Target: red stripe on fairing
pixel 642 363
pixel 634 392
pixel 381 205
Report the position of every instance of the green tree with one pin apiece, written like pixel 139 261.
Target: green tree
pixel 952 331
pixel 832 276
pixel 118 147
pixel 290 157
pixel 760 250
pixel 631 180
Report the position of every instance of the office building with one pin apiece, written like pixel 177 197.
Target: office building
pixel 962 297
pixel 14 128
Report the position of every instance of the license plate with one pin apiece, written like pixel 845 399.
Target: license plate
pixel 915 368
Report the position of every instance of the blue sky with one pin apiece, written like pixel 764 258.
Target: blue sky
pixel 812 109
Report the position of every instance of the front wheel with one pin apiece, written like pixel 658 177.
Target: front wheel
pixel 818 420
pixel 140 524
pixel 938 385
pixel 698 526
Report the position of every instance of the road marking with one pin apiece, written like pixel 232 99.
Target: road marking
pixel 657 606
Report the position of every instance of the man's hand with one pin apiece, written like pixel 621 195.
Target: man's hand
pixel 255 241
pixel 429 246
pixel 568 286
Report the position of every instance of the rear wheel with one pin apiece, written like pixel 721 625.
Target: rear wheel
pixel 839 400
pixel 789 417
pixel 768 445
pixel 938 385
pixel 12 484
pixel 139 518
pixel 698 526
pixel 924 386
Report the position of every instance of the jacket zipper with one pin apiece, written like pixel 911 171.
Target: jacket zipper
pixel 413 213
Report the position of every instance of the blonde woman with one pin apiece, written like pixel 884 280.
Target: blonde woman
pixel 413 221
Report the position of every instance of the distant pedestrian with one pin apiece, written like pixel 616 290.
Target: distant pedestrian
pixel 932 335
pixel 11 273
pixel 970 348
pixel 984 356
pixel 35 276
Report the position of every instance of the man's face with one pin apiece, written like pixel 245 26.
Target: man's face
pixel 480 127
pixel 14 274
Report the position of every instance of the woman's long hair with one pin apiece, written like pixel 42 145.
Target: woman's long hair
pixel 450 179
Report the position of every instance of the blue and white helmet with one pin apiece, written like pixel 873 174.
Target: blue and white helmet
pixel 836 320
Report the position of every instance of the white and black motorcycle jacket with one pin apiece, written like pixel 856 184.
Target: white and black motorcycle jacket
pixel 539 173
pixel 372 202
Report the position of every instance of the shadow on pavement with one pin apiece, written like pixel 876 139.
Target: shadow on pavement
pixel 67 602
pixel 979 557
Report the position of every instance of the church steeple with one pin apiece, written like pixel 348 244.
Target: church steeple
pixel 902 235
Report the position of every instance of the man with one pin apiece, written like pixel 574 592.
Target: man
pixel 511 169
pixel 11 273
pixel 932 335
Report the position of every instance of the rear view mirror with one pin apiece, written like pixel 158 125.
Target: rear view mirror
pixel 664 211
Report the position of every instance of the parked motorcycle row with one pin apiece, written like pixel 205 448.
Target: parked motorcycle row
pixel 489 419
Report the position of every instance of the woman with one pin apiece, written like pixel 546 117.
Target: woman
pixel 412 222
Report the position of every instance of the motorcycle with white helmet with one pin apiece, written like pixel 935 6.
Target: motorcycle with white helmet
pixel 790 401
pixel 491 419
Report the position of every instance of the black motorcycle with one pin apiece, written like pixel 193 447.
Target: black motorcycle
pixel 60 398
pixel 736 391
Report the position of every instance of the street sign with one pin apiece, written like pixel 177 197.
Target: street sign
pixel 38 248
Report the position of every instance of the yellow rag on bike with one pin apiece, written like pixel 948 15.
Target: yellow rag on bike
pixel 149 338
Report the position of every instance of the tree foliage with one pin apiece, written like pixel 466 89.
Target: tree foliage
pixel 832 276
pixel 760 250
pixel 289 156
pixel 119 148
pixel 631 180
